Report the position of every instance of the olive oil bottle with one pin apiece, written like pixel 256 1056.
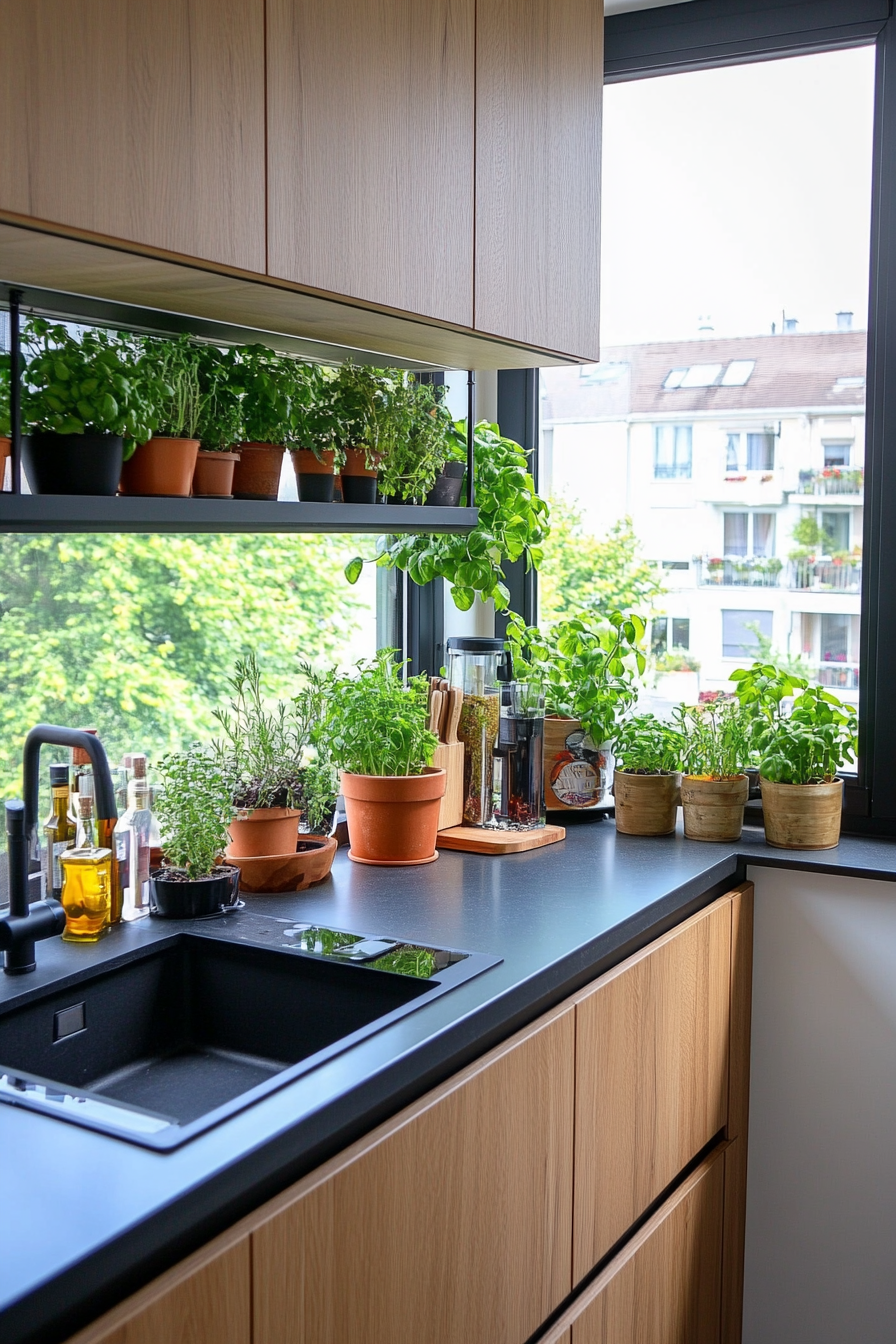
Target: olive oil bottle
pixel 59 828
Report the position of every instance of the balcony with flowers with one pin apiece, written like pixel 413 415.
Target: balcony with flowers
pixel 848 481
pixel 739 571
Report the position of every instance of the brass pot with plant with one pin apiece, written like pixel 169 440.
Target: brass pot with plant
pixel 647 777
pixel 804 735
pixel 587 669
pixel 714 783
pixel 376 727
pixel 193 809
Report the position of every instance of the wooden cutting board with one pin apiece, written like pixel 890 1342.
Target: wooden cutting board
pixel 450 758
pixel 478 840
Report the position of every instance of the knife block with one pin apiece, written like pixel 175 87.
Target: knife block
pixel 449 756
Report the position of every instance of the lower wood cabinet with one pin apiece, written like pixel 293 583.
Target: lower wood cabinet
pixel 470 1217
pixel 451 1223
pixel 205 1300
pixel 651 1076
pixel 665 1286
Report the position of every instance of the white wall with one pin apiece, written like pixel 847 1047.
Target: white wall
pixel 821 1184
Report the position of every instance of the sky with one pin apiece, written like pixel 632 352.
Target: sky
pixel 737 194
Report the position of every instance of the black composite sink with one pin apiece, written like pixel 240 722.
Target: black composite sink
pixel 164 1046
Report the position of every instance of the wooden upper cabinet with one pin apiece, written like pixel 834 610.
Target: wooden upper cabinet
pixel 370 151
pixel 652 1047
pixel 539 75
pixel 451 1223
pixel 139 121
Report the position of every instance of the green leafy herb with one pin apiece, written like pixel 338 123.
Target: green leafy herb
pixel 805 744
pixel 646 745
pixel 170 372
pixel 221 421
pixel 588 669
pixel 513 523
pixel 87 384
pixel 374 722
pixel 194 809
pixel 261 753
pixel 5 367
pixel 716 739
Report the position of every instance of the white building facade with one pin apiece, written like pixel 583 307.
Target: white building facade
pixel 720 451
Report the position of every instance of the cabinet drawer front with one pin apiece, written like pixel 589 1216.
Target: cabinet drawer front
pixel 651 1076
pixel 453 1226
pixel 665 1288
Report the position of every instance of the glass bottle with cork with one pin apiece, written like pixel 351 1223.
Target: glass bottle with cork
pixel 133 842
pixel 86 894
pixel 104 827
pixel 59 829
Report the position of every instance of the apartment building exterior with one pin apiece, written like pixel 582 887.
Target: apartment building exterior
pixel 741 464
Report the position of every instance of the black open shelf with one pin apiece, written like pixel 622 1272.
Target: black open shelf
pixel 133 513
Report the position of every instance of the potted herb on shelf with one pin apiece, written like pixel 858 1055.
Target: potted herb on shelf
pixel 260 754
pixel 193 809
pixel 269 383
pixel 413 426
pixel 355 400
pixel 587 670
pixel 220 423
pixel 375 724
pixel 714 784
pixel 800 753
pixel 647 778
pixel 85 405
pixel 166 463
pixel 312 437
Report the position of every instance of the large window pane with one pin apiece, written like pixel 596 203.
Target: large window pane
pixel 719 446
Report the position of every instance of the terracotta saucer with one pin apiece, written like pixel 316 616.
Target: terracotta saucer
pixel 386 863
pixel 274 874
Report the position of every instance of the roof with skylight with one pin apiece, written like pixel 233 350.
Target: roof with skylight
pixel 736 374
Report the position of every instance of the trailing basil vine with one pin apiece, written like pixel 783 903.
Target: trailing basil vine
pixel 513 524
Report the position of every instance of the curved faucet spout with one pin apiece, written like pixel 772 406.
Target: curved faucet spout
pixel 52 734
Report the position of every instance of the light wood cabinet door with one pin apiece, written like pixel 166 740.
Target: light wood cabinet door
pixel 451 1223
pixel 665 1286
pixel 370 150
pixel 205 1300
pixel 539 76
pixel 142 122
pixel 652 1047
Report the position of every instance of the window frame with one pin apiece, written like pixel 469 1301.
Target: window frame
pixel 706 34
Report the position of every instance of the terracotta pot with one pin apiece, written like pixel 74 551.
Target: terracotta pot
pixel 315 478
pixel 73 464
pixel 358 480
pixel 213 475
pixel 714 808
pixel 278 873
pixel 393 819
pixel 5 454
pixel 646 804
pixel 802 816
pixel 160 467
pixel 257 474
pixel 577 774
pixel 264 831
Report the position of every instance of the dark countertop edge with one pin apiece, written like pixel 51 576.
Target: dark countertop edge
pixel 130 1261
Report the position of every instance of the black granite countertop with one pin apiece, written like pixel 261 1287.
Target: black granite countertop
pixel 87 1219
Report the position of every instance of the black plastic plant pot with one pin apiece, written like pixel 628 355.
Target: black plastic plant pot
pixel 173 899
pixel 445 493
pixel 72 464
pixel 315 488
pixel 358 489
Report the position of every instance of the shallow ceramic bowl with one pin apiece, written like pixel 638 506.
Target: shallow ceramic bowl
pixel 275 874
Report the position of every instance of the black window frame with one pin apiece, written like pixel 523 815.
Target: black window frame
pixel 704 34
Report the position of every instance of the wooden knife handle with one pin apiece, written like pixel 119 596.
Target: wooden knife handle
pixel 435 711
pixel 452 718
